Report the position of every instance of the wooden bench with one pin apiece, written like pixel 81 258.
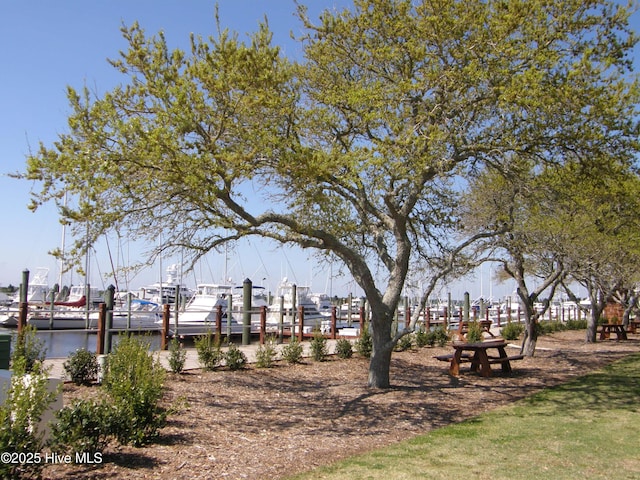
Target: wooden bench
pixel 466 357
pixel 508 358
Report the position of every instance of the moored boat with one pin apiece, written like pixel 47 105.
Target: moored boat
pixel 290 297
pixel 200 314
pixel 167 291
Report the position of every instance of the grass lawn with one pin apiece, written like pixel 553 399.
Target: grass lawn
pixel 586 429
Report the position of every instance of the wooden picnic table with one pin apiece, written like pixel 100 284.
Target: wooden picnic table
pixel 606 329
pixel 633 326
pixel 478 354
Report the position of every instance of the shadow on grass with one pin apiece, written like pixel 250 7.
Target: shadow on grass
pixel 615 387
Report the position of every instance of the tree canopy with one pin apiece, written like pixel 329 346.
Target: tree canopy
pixel 361 149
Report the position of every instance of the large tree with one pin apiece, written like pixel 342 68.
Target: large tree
pixel 530 248
pixel 360 149
pixel 569 223
pixel 601 209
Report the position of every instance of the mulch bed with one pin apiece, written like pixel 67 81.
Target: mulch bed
pixel 268 423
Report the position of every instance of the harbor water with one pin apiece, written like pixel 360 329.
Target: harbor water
pixel 62 343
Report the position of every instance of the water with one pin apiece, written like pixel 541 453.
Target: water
pixel 61 343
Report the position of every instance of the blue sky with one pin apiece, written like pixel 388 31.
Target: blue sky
pixel 48 45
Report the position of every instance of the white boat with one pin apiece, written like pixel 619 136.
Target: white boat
pixel 351 310
pixel 323 303
pixel 37 294
pixel 259 299
pixel 78 292
pixel 9 317
pixel 288 300
pixel 200 314
pixel 135 315
pixel 71 313
pixel 165 292
pixel 38 289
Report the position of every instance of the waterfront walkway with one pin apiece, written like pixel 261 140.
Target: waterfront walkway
pixel 57 369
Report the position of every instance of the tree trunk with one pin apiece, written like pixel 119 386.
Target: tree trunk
pixel 592 321
pixel 530 339
pixel 380 363
pixel 592 326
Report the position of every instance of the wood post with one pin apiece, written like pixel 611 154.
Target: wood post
pixel 109 296
pixel 247 294
pixel 52 307
pixel 102 320
pixel 333 323
pixel 301 315
pixel 22 316
pixel 166 315
pixel 23 307
pixel 176 312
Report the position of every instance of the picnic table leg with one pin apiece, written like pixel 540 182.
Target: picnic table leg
pixel 454 367
pixel 506 365
pixel 485 370
pixel 476 361
pixel 603 333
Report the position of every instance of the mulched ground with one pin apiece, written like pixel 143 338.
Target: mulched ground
pixel 268 423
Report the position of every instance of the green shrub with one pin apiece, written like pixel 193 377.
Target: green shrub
pixel 235 358
pixel 424 338
pixel 266 354
pixel 135 380
pixel 177 356
pixel 440 336
pixel 319 349
pixel 474 333
pixel 547 327
pixel 26 400
pixel 208 348
pixel 405 343
pixel 576 324
pixel 344 349
pixel 364 344
pixel 29 347
pixel 512 330
pixel 85 426
pixel 82 367
pixel 292 352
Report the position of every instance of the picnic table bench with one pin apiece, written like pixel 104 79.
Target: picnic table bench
pixel 606 329
pixel 466 357
pixel 481 361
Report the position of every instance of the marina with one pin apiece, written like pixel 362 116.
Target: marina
pixel 200 317
pixel 61 343
pixel 66 321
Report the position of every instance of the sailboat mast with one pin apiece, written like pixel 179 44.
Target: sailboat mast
pixel 62 246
